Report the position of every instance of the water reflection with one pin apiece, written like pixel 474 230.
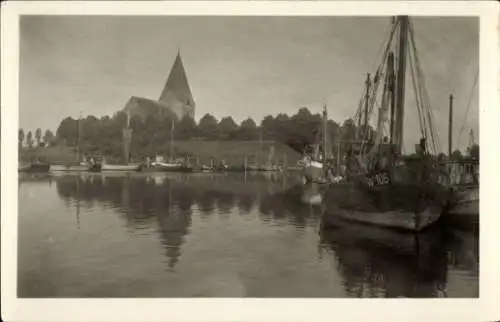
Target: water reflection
pixel 229 229
pixel 377 262
pixel 171 199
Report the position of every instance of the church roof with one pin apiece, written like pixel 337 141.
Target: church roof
pixel 177 85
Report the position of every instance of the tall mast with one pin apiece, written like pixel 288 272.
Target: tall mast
pixel 325 129
pixel 400 81
pixel 127 137
pixel 450 127
pixel 367 98
pixel 78 137
pixel 472 140
pixel 172 140
pixel 392 95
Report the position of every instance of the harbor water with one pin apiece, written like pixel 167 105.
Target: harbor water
pixel 220 235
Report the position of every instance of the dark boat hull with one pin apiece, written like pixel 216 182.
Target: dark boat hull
pixel 35 168
pixel 407 206
pixel 167 169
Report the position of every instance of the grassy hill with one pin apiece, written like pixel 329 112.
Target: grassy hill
pixel 49 154
pixel 234 152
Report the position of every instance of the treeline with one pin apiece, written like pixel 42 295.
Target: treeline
pixel 152 134
pixel 31 140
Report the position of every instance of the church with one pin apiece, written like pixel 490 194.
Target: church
pixel 175 97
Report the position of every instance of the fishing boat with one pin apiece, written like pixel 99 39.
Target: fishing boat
pixel 213 167
pixel 271 165
pixel 464 203
pixel 314 166
pixel 382 187
pixel 127 167
pixel 71 167
pixel 173 166
pixel 78 165
pixel 34 167
pixel 120 167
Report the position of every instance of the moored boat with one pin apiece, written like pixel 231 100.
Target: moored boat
pixel 464 205
pixel 173 166
pixel 120 167
pixel 71 167
pixel 315 168
pixel 34 168
pixel 382 187
pixel 394 204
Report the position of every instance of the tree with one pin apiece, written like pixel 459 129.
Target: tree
pixel 248 130
pixel 21 137
pixel 29 139
pixel 67 131
pixel 186 129
pixel 48 137
pixel 441 156
pixel 473 152
pixel 306 127
pixel 227 128
pixel 38 136
pixel 456 155
pixel 348 130
pixel 268 127
pixel 208 126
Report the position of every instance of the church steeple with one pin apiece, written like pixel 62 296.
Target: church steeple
pixel 176 90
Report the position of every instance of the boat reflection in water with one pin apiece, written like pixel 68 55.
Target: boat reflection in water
pixel 381 262
pixel 216 235
pixel 171 198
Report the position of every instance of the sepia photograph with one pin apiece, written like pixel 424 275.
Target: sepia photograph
pixel 248 156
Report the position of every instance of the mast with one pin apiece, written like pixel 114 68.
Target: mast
pixel 367 98
pixel 392 92
pixel 400 81
pixel 172 127
pixel 450 127
pixel 127 136
pixel 78 137
pixel 472 140
pixel 325 129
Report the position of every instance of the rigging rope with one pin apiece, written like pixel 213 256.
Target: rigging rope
pixel 378 77
pixel 469 103
pixel 378 73
pixel 424 94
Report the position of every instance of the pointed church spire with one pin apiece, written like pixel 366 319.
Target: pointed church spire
pixel 177 90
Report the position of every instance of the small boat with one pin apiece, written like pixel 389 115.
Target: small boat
pixel 174 166
pixel 71 167
pixel 313 171
pixel 34 168
pixel 120 167
pixel 464 204
pixel 270 168
pixel 76 166
pixel 160 165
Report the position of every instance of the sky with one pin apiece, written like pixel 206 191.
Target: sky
pixel 238 66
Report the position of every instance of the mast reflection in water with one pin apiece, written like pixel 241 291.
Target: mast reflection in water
pixel 207 235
